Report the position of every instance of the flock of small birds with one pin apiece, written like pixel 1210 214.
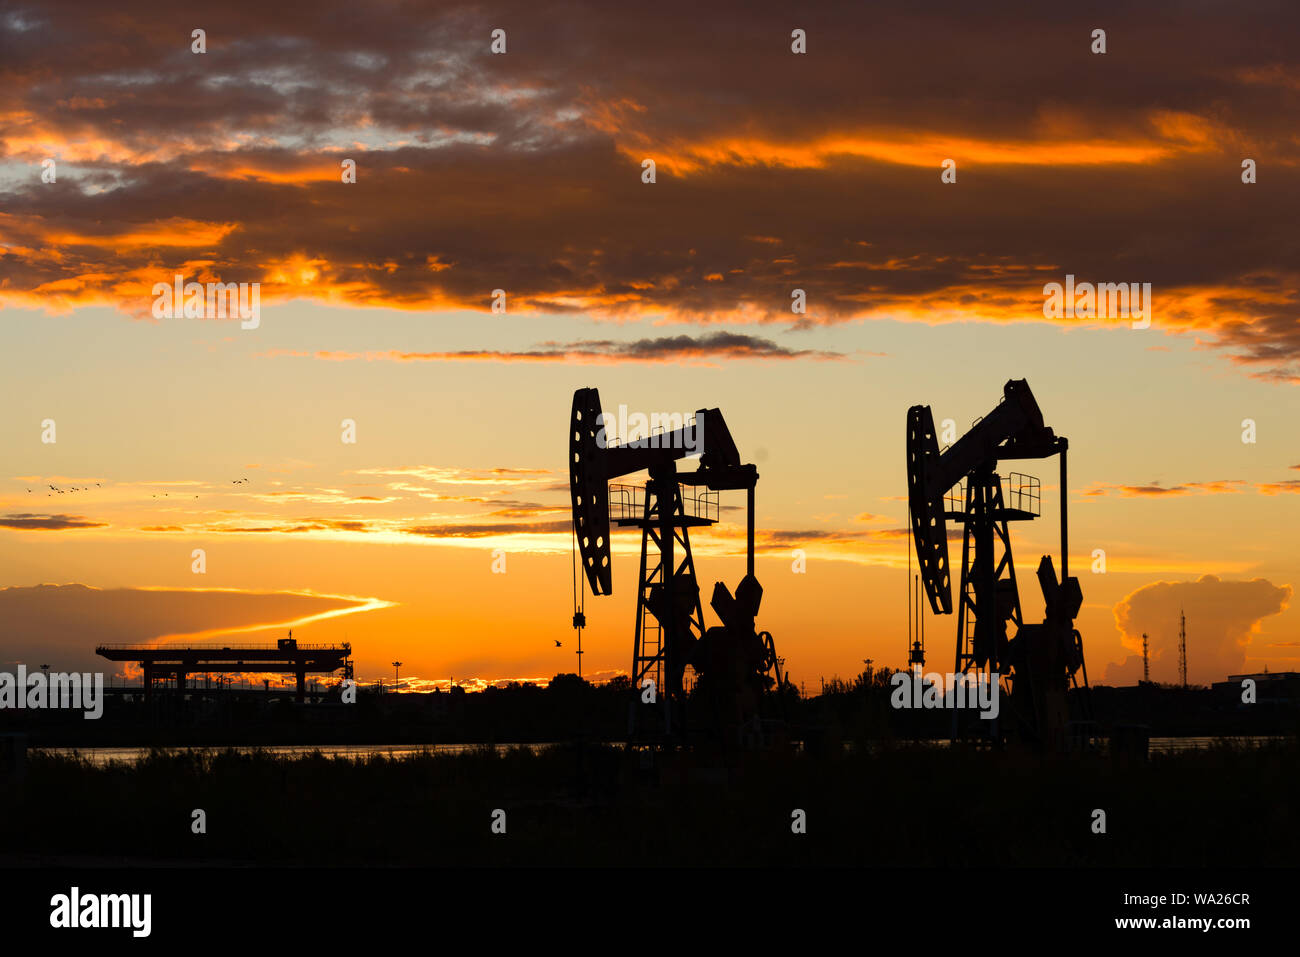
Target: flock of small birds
pixel 55 490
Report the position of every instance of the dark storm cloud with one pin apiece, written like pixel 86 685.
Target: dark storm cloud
pixel 729 345
pixel 48 523
pixel 775 171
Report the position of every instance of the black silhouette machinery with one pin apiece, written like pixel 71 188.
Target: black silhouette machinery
pixel 1041 662
pixel 732 664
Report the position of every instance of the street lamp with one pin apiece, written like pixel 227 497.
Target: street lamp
pixel 396 665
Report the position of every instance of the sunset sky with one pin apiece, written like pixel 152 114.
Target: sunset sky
pixel 523 171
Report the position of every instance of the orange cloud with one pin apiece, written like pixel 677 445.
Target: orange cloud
pixel 1220 487
pixel 1222 618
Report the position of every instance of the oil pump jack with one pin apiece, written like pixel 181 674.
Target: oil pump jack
pixel 732 663
pixel 1041 662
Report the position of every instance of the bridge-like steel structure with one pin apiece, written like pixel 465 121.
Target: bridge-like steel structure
pixel 287 656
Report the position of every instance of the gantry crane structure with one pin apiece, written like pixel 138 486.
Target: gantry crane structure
pixel 1041 662
pixel 733 664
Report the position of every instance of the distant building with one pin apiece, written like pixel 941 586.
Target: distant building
pixel 1275 687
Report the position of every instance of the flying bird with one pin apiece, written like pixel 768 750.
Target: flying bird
pixel 557 644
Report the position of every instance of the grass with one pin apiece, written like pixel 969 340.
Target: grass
pixel 907 806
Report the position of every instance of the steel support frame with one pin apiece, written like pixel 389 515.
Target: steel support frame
pixel 664 530
pixel 983 566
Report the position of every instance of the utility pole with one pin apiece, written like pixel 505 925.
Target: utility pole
pixel 1182 647
pixel 1146 660
pixel 396 685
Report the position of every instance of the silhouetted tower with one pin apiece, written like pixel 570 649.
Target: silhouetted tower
pixel 1146 660
pixel 1182 647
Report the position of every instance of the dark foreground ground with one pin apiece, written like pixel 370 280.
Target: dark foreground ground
pixel 592 805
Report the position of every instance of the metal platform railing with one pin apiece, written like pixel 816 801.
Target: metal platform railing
pixel 1023 492
pixel 1020 492
pixel 627 502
